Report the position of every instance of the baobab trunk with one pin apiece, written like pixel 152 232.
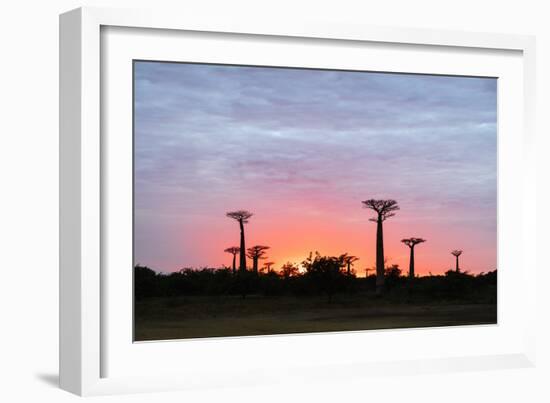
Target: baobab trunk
pixel 457 269
pixel 411 243
pixel 411 263
pixel 379 257
pixel 255 265
pixel 234 258
pixel 384 209
pixel 349 268
pixel 242 252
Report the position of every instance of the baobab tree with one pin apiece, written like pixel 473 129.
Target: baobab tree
pixel 255 253
pixel 384 209
pixel 268 266
pixel 411 243
pixel 349 260
pixel 233 250
pixel 242 217
pixel 456 253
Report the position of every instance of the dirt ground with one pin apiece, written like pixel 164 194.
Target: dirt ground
pixel 196 317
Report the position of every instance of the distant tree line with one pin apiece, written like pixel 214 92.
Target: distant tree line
pixel 323 275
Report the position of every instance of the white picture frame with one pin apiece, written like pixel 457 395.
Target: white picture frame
pixel 91 344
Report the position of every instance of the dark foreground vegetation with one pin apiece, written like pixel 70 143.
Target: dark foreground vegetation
pixel 324 296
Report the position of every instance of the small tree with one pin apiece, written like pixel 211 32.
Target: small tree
pixel 456 253
pixel 233 250
pixel 393 275
pixel 241 216
pixel 255 253
pixel 411 243
pixel 325 273
pixel 384 209
pixel 349 260
pixel 268 265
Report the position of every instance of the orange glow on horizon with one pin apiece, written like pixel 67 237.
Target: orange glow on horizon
pixel 354 235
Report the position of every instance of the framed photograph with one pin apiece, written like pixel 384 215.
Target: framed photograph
pixel 238 196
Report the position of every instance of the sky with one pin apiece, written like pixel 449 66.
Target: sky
pixel 301 149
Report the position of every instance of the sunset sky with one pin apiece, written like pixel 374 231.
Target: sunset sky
pixel 301 149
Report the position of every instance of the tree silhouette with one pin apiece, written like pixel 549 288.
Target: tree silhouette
pixel 349 260
pixel 233 250
pixel 325 273
pixel 289 270
pixel 368 270
pixel 255 253
pixel 411 243
pixel 384 209
pixel 242 217
pixel 268 265
pixel 456 253
pixel 145 282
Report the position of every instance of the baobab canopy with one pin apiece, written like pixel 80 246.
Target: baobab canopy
pixel 240 215
pixel 411 242
pixel 383 208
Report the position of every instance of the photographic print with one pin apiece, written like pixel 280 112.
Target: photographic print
pixel 275 200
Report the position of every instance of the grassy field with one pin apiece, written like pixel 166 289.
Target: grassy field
pixel 193 317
